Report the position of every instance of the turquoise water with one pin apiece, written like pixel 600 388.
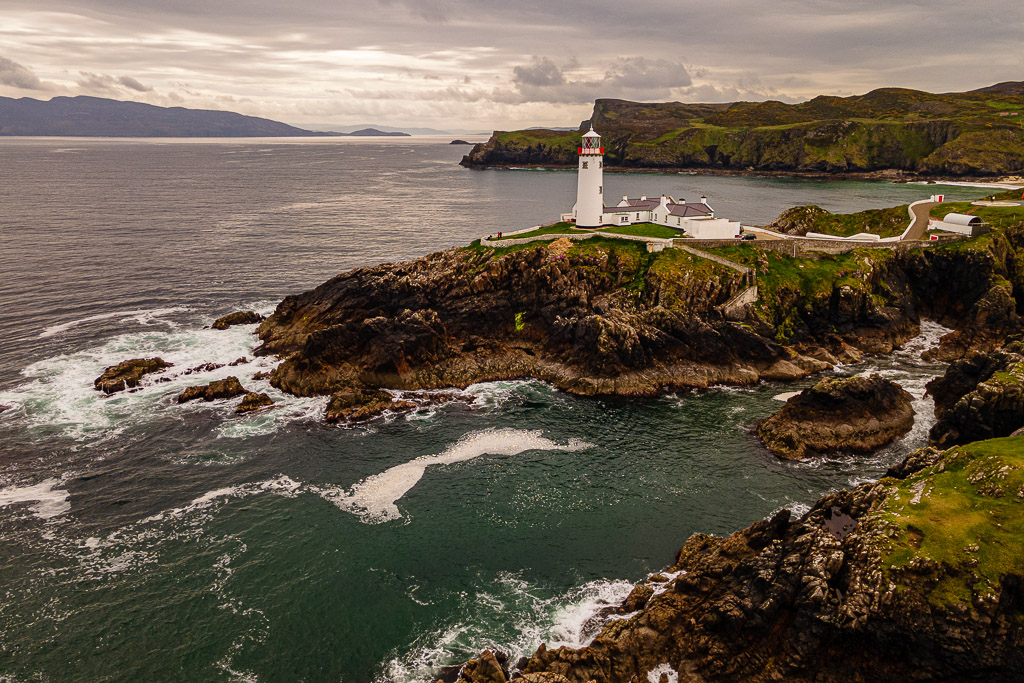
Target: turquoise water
pixel 143 540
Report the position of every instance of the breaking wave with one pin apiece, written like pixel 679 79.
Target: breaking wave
pixel 373 499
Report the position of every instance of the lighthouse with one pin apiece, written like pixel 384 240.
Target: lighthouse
pixel 590 182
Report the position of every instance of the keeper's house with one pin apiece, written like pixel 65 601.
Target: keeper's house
pixel 695 219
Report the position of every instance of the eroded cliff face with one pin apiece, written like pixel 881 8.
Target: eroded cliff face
pixel 871 584
pixel 608 318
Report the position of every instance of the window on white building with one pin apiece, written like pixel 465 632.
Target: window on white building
pixel 600 189
pixel 586 164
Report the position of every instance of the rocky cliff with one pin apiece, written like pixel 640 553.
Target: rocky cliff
pixel 917 577
pixel 885 130
pixel 609 318
pixel 979 397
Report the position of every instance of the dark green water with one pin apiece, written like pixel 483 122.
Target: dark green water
pixel 142 540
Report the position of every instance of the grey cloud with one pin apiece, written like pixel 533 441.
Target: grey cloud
pixel 627 77
pixel 104 84
pixel 131 83
pixel 18 76
pixel 540 72
pixel 287 58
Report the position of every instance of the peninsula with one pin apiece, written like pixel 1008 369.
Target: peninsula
pixel 890 132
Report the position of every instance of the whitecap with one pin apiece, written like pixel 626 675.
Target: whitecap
pixel 48 500
pixel 655 674
pixel 373 499
pixel 141 317
pixel 515 605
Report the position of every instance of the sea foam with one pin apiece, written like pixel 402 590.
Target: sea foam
pixel 373 499
pixel 47 500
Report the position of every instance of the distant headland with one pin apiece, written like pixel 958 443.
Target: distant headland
pixel 890 133
pixel 100 117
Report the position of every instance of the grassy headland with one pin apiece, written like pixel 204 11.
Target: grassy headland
pixel 889 128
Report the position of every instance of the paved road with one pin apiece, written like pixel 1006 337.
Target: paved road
pixel 920 226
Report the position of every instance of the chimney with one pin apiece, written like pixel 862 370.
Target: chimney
pixel 625 198
pixel 704 199
pixel 643 197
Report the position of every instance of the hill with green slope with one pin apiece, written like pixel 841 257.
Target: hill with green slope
pixel 957 134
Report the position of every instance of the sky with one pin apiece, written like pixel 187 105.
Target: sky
pixel 495 64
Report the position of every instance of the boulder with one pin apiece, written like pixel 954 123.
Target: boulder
pixel 128 374
pixel 229 387
pixel 839 415
pixel 252 402
pixel 358 405
pixel 489 667
pixel 237 318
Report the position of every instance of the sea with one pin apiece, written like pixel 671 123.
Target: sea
pixel 143 540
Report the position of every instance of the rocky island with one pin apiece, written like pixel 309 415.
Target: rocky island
pixel 839 415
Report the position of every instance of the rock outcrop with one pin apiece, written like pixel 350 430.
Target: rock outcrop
pixel 884 582
pixel 229 387
pixel 238 318
pixel 253 402
pixel 358 405
pixel 128 374
pixel 839 415
pixel 605 317
pixel 979 397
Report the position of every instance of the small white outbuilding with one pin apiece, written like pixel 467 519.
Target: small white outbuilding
pixel 960 223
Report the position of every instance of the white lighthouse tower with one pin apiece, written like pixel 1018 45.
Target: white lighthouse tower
pixel 589 208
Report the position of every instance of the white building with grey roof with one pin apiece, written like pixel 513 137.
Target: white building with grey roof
pixel 695 219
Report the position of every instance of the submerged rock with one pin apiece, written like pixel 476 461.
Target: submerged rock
pixel 229 387
pixel 205 367
pixel 128 374
pixel 869 585
pixel 252 402
pixel 846 415
pixel 237 318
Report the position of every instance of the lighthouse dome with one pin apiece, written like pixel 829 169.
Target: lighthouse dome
pixel 591 134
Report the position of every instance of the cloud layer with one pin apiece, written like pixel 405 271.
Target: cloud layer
pixel 487 64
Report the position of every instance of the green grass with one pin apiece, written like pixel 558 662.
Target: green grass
pixel 639 229
pixel 969 519
pixel 779 277
pixel 996 216
pixel 888 222
pixel 643 230
pixel 553 229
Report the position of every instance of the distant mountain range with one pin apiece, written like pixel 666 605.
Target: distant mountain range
pixel 100 117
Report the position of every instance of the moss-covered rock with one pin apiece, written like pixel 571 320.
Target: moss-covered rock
pixel 917 577
pixel 979 397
